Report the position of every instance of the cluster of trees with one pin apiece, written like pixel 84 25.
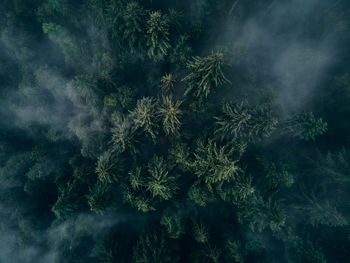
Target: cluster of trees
pixel 126 109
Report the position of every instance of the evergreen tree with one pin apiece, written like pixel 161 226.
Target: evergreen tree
pixel 153 247
pixel 215 163
pixel 205 75
pixel 145 116
pixel 170 113
pixel 70 200
pixel 305 126
pixel 108 167
pixel 157 35
pixel 240 121
pixel 99 197
pixel 160 183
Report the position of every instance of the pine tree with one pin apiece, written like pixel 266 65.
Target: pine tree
pixel 160 183
pixel 152 247
pixel 108 167
pixel 205 75
pixel 200 231
pixel 170 114
pixel 157 35
pixel 70 200
pixel 240 121
pixel 145 116
pixel 99 197
pixel 124 135
pixel 215 163
pixel 173 223
pixel 305 126
pixel 167 83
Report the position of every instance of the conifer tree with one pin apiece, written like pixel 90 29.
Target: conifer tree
pixel 215 163
pixel 305 126
pixel 170 114
pixel 157 35
pixel 99 197
pixel 124 135
pixel 160 183
pixel 108 167
pixel 69 202
pixel 205 75
pixel 152 247
pixel 167 83
pixel 173 223
pixel 145 116
pixel 240 121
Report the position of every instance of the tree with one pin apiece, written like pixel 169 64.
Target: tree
pixel 213 163
pixel 170 113
pixel 124 135
pixel 160 183
pixel 305 126
pixel 152 247
pixel 109 167
pixel 70 200
pixel 276 175
pixel 260 214
pixel 145 116
pixel 99 197
pixel 157 35
pixel 200 231
pixel 240 121
pixel 205 74
pixel 173 223
pixel 167 83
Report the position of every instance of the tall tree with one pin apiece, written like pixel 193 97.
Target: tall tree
pixel 205 74
pixel 157 35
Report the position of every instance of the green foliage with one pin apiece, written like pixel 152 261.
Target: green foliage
pixel 305 251
pixel 108 167
pixel 234 251
pixel 179 155
pixel 124 135
pixel 167 83
pixel 215 163
pixel 153 248
pixel 173 223
pixel 305 126
pixel 157 35
pixel 69 201
pixel 259 214
pixel 99 197
pixel 200 231
pixel 160 183
pixel 170 114
pixel 205 75
pixel 145 116
pixel 240 121
pixel 200 194
pixel 276 174
pixel 320 213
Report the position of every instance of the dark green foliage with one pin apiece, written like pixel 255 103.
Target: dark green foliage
pixel 109 167
pixel 174 131
pixel 157 35
pixel 170 114
pixel 305 126
pixel 145 116
pixel 205 75
pixel 100 197
pixel 69 200
pixel 152 247
pixel 240 121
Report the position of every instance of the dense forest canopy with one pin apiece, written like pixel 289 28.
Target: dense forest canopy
pixel 155 131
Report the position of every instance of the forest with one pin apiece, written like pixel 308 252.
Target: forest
pixel 158 131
